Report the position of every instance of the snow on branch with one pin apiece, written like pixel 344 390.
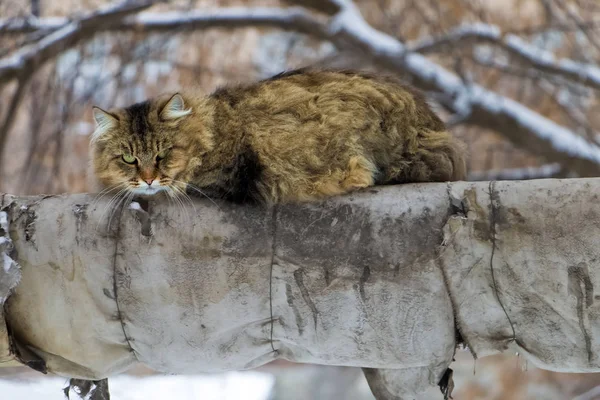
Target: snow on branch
pixel 293 18
pixel 17 26
pixel 67 34
pixel 288 18
pixel 540 59
pixel 26 60
pixel 472 34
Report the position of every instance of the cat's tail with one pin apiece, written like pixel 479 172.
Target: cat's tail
pixel 456 152
pixel 444 156
pixel 432 156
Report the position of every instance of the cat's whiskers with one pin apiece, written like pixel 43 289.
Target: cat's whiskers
pixel 179 194
pixel 115 200
pixel 197 189
pixel 106 190
pixel 176 193
pixel 177 201
pixel 169 197
pixel 112 200
pixel 185 196
pixel 125 198
pixel 104 193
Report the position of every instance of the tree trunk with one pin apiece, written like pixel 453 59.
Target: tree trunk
pixel 390 279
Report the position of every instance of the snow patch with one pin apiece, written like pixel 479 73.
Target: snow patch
pixel 4 218
pixel 350 19
pixel 8 262
pixel 518 45
pixel 228 386
pixel 479 28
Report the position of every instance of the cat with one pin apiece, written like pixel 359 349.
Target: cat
pixel 302 135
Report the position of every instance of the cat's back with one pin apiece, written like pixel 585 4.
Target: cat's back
pixel 310 94
pixel 317 133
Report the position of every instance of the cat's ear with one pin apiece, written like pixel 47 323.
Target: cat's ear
pixel 104 122
pixel 174 109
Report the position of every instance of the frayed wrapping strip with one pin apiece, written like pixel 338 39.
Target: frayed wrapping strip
pixel 10 275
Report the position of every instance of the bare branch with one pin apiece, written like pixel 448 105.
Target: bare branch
pixel 9 116
pixel 329 7
pixel 26 61
pixel 231 17
pixel 36 9
pixel 564 99
pixel 578 22
pixel 541 60
pixel 557 26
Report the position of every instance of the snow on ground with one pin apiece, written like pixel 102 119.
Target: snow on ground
pixel 228 386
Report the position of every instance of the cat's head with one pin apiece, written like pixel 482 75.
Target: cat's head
pixel 144 148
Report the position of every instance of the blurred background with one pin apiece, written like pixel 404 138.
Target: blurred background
pixel 523 95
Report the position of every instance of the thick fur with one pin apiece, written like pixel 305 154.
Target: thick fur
pixel 299 136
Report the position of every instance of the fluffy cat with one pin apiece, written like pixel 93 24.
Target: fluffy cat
pixel 301 135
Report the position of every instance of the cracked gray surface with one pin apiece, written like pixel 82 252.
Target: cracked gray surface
pixel 376 279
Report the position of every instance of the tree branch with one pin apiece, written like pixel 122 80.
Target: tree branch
pixel 10 113
pixel 474 34
pixel 18 26
pixel 231 17
pixel 28 59
pixel 534 57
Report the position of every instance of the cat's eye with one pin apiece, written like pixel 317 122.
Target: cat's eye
pixel 162 155
pixel 129 159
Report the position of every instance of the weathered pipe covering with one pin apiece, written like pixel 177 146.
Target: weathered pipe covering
pixel 375 279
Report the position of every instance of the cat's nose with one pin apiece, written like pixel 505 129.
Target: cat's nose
pixel 149 181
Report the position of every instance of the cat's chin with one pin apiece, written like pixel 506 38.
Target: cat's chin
pixel 148 190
